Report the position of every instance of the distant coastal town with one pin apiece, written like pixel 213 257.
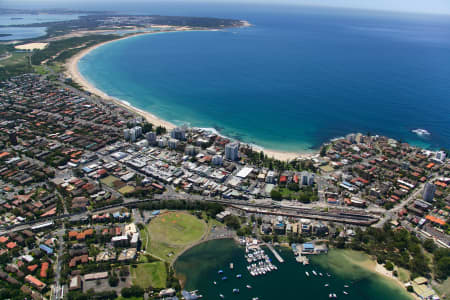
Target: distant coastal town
pixel 98 199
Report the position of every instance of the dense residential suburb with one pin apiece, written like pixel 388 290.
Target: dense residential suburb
pixel 84 183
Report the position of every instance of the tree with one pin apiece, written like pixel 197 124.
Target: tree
pixel 275 195
pixel 442 263
pixel 293 187
pixel 133 291
pixel 389 266
pixel 232 222
pixel 323 151
pixel 113 279
pixel 429 245
pixel 147 127
pixel 160 130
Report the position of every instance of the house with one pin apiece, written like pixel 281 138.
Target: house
pixel 46 249
pixel 95 276
pixel 75 283
pixel 307 248
pixel 44 269
pixel 35 282
pixel 167 292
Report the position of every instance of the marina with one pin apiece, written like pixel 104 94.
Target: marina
pixel 259 262
pixel 275 253
pixel 205 261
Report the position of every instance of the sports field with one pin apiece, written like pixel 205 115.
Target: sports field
pixel 171 232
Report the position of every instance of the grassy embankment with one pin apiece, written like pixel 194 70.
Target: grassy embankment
pixel 164 238
pixel 53 56
pixel 150 274
pixel 172 232
pixel 13 63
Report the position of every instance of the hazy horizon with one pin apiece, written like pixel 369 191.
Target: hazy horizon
pixel 407 6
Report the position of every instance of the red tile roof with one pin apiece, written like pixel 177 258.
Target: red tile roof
pixel 32 268
pixel 11 245
pixel 44 269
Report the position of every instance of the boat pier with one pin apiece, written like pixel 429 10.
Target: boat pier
pixel 275 253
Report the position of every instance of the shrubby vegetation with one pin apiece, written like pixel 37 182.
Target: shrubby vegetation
pixel 260 159
pixel 60 50
pixel 211 209
pixel 133 291
pixel 399 247
pixel 90 294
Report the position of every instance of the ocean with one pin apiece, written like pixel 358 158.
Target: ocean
pixel 297 78
pixel 201 264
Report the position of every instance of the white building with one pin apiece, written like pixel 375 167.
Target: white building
pixel 217 160
pixel 178 133
pixel 351 137
pixel 126 134
pixel 138 131
pixel 428 192
pixel 190 150
pixel 172 143
pixel 151 137
pixel 232 151
pixel 270 178
pixel 244 172
pixel 441 155
pixel 306 178
pixel 162 142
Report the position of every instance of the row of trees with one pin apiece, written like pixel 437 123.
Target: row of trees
pixel 211 209
pixel 261 159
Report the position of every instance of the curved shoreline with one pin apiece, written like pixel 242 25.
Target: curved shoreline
pixel 73 72
pixel 369 265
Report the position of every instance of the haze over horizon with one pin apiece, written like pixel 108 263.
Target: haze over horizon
pixel 407 6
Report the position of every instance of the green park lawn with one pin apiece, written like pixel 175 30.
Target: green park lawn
pixel 149 274
pixel 171 232
pixel 126 190
pixel 109 180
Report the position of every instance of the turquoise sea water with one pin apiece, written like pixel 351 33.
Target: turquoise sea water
pixel 202 263
pixel 296 79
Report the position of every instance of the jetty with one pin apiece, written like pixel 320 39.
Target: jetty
pixel 275 253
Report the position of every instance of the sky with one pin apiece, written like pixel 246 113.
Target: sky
pixel 415 6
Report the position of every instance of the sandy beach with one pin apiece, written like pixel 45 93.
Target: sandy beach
pixel 347 257
pixel 73 73
pixel 32 46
